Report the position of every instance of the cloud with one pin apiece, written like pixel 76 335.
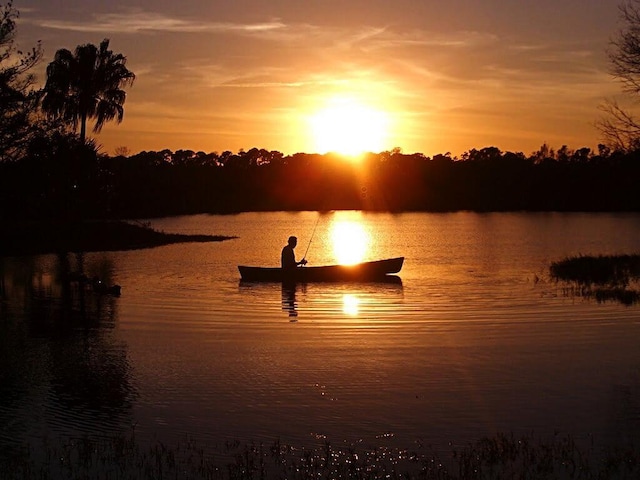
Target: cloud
pixel 216 76
pixel 389 38
pixel 138 21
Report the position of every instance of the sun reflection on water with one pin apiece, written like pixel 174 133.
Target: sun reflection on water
pixel 350 304
pixel 350 241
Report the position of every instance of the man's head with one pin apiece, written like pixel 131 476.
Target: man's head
pixel 293 241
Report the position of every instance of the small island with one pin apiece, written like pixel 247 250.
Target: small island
pixel 31 238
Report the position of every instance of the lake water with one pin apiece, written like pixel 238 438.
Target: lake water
pixel 474 340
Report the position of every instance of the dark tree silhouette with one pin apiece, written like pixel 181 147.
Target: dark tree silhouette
pixel 625 55
pixel 619 128
pixel 17 97
pixel 55 181
pixel 87 84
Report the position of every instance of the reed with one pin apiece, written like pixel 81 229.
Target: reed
pixel 499 457
pixel 602 277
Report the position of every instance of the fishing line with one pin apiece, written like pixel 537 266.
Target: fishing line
pixel 312 234
pixel 324 166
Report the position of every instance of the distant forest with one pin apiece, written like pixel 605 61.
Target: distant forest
pixel 60 182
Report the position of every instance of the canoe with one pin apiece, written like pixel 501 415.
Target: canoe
pixel 376 270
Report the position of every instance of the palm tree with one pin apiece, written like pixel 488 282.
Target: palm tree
pixel 87 84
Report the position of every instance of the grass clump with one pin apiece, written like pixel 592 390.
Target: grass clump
pixel 614 270
pixel 603 277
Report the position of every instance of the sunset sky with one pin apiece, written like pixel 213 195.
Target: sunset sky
pixel 290 75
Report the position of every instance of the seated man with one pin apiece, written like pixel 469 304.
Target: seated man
pixel 288 257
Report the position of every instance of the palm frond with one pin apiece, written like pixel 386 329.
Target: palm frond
pixel 88 84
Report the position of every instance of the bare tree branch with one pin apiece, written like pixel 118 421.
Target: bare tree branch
pixel 619 128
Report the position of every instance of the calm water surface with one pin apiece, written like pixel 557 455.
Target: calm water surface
pixel 472 341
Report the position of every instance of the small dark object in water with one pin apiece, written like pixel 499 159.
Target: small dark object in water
pixel 102 288
pixel 94 284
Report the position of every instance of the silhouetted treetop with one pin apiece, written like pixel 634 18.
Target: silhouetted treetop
pixel 87 84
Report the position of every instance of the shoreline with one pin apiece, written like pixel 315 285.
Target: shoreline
pixel 39 238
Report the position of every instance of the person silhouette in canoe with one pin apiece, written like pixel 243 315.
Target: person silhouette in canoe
pixel 288 257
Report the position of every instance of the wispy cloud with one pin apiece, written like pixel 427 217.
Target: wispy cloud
pixel 215 76
pixel 138 21
pixel 389 38
pixel 261 76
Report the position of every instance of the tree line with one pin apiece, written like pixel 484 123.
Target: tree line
pixel 63 184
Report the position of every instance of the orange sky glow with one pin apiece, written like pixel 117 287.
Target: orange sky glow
pixel 428 77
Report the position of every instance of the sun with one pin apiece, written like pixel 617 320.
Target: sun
pixel 349 127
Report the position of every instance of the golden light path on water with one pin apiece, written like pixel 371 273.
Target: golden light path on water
pixel 350 241
pixel 350 304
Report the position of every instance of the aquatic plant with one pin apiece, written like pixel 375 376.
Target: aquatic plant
pixel 615 270
pixel 602 277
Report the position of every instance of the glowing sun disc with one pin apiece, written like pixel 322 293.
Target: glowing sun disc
pixel 349 127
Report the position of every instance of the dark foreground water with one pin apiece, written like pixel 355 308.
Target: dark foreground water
pixel 474 339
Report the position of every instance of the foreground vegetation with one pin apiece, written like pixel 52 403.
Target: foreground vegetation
pixel 603 277
pixel 500 457
pixel 28 238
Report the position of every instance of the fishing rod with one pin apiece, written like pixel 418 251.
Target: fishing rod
pixel 310 239
pixel 315 226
